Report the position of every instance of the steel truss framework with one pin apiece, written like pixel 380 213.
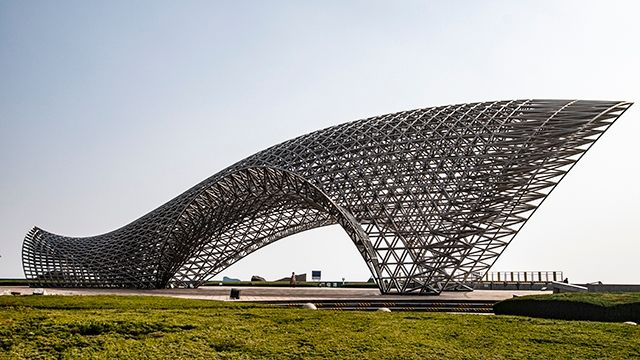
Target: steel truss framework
pixel 430 198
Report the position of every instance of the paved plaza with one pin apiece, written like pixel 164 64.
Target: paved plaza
pixel 256 293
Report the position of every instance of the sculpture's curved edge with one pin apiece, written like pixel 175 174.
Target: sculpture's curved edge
pixel 623 106
pixel 618 108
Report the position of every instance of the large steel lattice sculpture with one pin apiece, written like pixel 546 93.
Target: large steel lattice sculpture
pixel 430 198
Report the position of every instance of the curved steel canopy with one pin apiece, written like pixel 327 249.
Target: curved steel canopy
pixel 430 197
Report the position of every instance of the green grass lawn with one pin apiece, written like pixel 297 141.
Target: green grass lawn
pixel 155 327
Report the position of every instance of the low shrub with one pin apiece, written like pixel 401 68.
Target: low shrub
pixel 14 282
pixel 593 307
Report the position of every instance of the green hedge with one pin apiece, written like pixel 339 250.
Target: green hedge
pixel 567 308
pixel 286 284
pixel 24 282
pixel 14 282
pixel 261 283
pixel 363 285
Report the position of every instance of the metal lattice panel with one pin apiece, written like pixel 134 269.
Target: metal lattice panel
pixel 430 198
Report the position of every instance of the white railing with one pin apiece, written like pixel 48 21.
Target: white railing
pixel 523 276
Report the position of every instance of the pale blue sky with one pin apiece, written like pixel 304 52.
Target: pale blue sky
pixel 109 109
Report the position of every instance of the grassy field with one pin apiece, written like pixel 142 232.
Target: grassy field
pixel 155 327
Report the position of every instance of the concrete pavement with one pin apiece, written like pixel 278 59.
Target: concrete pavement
pixel 255 293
